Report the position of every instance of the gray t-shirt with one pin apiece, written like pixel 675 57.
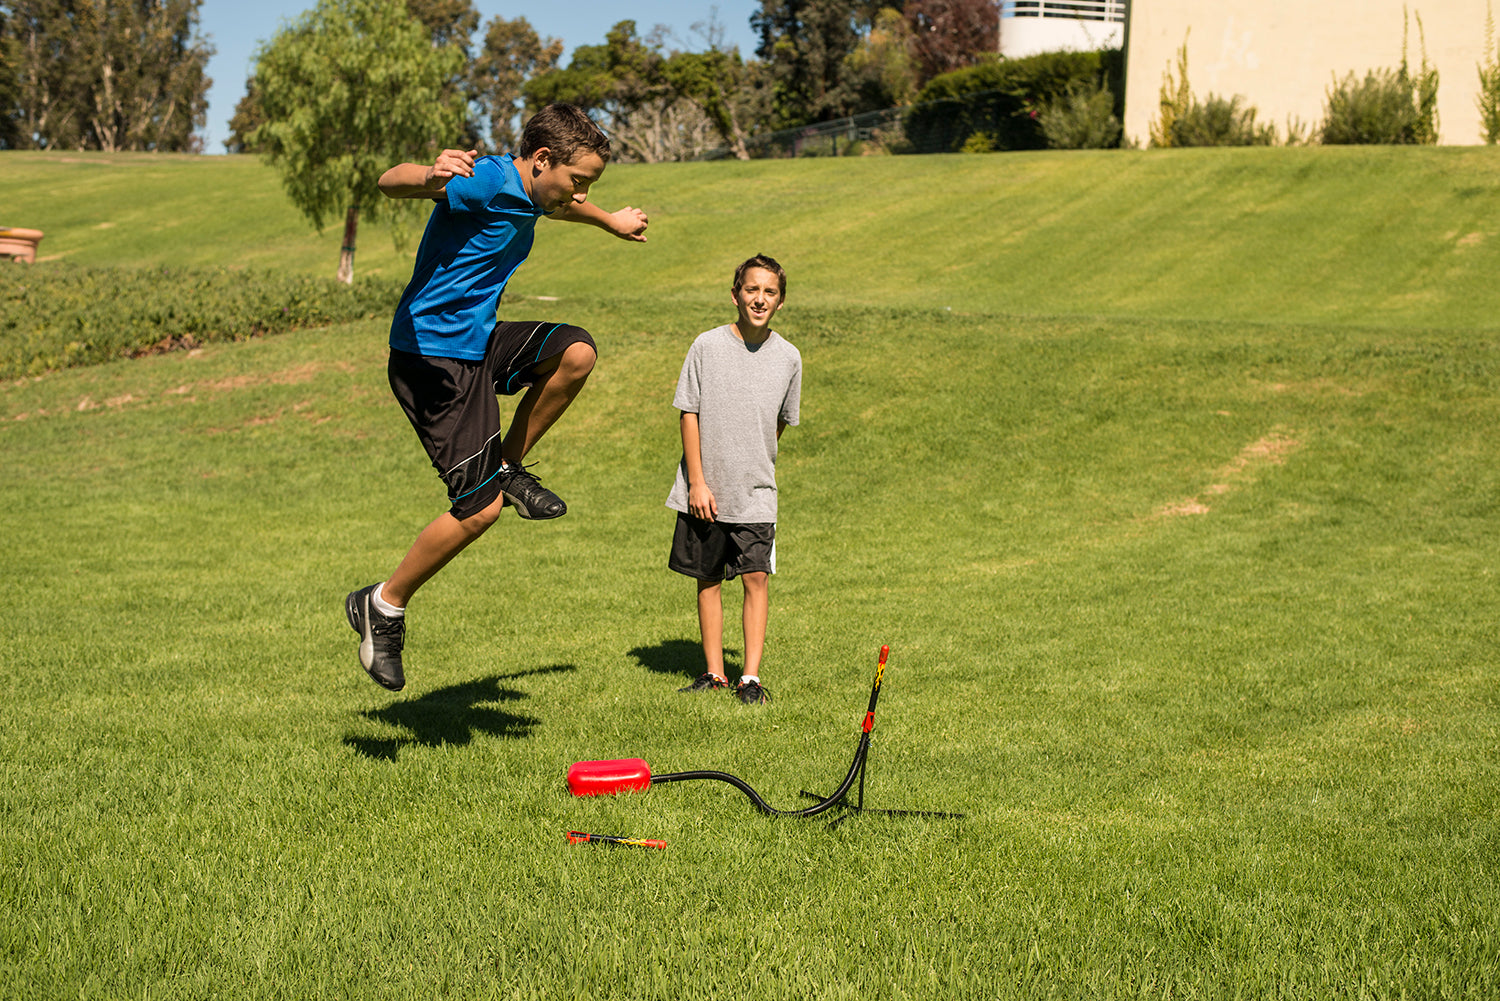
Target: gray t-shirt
pixel 739 392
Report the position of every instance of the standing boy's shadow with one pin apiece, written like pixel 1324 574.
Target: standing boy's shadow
pixel 451 715
pixel 681 657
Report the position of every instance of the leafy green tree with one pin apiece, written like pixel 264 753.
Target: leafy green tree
pixel 625 82
pixel 720 85
pixel 448 22
pixel 10 90
pixel 882 70
pixel 805 43
pixel 453 23
pixel 248 116
pixel 348 89
pixel 106 74
pixel 512 54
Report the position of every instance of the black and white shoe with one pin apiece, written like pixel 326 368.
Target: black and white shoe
pixel 752 693
pixel 526 494
pixel 381 638
pixel 706 682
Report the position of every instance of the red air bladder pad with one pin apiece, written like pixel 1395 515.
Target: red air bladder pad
pixel 598 778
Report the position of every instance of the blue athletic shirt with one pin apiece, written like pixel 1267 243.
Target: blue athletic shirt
pixel 475 239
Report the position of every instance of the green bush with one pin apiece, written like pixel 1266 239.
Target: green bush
pixel 1081 118
pixel 1377 110
pixel 1004 98
pixel 1489 83
pixel 1387 107
pixel 1220 121
pixel 58 315
pixel 1183 120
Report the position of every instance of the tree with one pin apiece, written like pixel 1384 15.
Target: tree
pixel 512 54
pixel 448 22
pixel 248 116
pixel 881 72
pixel 453 23
pixel 626 83
pixel 107 74
pixel 805 43
pixel 952 34
pixel 10 85
pixel 348 89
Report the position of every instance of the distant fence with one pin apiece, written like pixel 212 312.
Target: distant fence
pixel 932 127
pixel 840 137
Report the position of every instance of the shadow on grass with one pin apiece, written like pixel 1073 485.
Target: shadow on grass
pixel 452 715
pixel 680 657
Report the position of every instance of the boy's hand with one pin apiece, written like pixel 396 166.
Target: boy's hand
pixel 450 163
pixel 701 503
pixel 629 224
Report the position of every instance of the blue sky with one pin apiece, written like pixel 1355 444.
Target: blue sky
pixel 236 27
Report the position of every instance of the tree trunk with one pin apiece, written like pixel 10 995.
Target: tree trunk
pixel 346 252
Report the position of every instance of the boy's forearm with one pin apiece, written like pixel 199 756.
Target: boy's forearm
pixel 628 223
pixel 692 449
pixel 406 180
pixel 418 180
pixel 584 212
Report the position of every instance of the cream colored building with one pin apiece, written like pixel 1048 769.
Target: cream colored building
pixel 1282 55
pixel 1031 26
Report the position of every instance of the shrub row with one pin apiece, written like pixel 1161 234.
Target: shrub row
pixel 1004 100
pixel 55 316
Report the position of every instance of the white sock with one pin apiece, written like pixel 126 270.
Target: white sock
pixel 384 607
pixel 747 678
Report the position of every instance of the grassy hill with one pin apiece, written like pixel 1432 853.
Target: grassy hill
pixel 1170 479
pixel 1357 235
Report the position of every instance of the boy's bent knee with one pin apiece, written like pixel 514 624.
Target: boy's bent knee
pixel 480 521
pixel 577 361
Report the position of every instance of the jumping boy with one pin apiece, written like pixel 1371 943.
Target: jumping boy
pixel 450 357
pixel 740 388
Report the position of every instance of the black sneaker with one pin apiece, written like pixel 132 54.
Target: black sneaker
pixel 752 693
pixel 380 639
pixel 527 495
pixel 706 683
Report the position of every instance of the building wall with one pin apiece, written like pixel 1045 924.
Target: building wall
pixel 1026 36
pixel 1282 55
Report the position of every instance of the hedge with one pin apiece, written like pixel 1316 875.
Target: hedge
pixel 57 315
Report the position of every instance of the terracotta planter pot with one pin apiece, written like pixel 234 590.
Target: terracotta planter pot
pixel 19 244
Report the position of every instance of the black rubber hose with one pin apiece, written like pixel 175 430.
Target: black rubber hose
pixel 761 804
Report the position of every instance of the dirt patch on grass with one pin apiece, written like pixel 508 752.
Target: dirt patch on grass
pixel 1272 449
pixel 191 392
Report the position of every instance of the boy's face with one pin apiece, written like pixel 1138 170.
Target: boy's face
pixel 758 298
pixel 554 185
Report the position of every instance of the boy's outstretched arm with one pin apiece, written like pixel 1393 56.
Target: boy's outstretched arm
pixel 628 223
pixel 418 180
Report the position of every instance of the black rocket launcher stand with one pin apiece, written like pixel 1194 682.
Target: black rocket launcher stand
pixel 596 778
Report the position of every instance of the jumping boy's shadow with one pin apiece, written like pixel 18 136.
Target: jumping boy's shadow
pixel 451 715
pixel 681 657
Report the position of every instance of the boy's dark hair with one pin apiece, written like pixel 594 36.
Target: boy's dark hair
pixel 760 261
pixel 566 131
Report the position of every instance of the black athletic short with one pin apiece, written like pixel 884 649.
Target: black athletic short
pixel 717 550
pixel 451 402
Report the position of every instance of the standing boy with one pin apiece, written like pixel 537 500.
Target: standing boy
pixel 740 388
pixel 449 356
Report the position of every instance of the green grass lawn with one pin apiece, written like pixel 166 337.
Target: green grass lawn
pixel 1190 591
